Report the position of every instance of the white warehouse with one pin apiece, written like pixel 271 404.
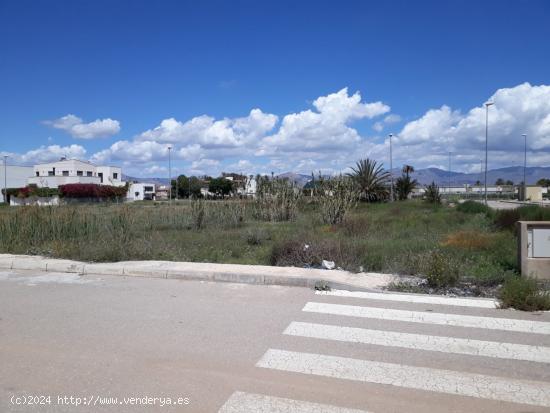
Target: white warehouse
pixel 15 177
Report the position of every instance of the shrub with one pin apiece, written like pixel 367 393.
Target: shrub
pixel 277 199
pixel 256 236
pixel 198 212
pixel 441 271
pixel 472 207
pixel 432 194
pixel 524 294
pixel 92 191
pixel 336 198
pixel 506 218
pixel 468 240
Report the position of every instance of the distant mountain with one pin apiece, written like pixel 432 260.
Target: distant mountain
pixel 156 181
pixel 512 173
pixel 298 179
pixel 423 176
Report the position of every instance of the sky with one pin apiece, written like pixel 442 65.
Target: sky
pixel 274 86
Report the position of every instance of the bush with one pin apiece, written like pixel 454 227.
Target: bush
pixel 198 212
pixel 442 270
pixel 337 197
pixel 506 218
pixel 524 294
pixel 468 240
pixel 432 194
pixel 473 207
pixel 92 191
pixel 256 236
pixel 277 199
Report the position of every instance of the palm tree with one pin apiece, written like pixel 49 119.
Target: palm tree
pixel 408 169
pixel 371 178
pixel 404 185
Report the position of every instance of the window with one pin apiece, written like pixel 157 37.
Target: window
pixel 100 174
pixel 37 173
pixel 115 175
pixel 51 173
pixel 65 173
pixel 136 194
pixel 79 173
pixel 88 173
pixel 148 189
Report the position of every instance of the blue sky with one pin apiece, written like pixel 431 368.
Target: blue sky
pixel 130 65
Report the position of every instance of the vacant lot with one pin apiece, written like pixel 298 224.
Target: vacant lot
pixel 444 244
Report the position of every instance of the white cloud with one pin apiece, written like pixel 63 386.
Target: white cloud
pixel 208 132
pixel 325 130
pixel 517 110
pixel 45 154
pixel 73 125
pixel 325 138
pixel 392 118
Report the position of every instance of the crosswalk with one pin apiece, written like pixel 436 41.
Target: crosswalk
pixel 370 319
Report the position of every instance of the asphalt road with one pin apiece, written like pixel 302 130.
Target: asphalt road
pixel 214 347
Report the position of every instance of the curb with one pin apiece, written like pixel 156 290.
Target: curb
pixel 233 273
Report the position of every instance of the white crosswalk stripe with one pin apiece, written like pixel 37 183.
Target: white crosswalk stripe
pixel 456 320
pixel 527 385
pixel 420 378
pixel 421 342
pixel 411 298
pixel 241 402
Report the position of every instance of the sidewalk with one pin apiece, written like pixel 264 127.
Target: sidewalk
pixel 249 274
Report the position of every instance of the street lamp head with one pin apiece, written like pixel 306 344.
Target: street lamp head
pixel 489 103
pixel 524 135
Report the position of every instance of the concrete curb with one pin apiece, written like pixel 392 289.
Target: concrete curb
pixel 236 273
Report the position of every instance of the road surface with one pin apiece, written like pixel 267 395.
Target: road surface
pixel 117 344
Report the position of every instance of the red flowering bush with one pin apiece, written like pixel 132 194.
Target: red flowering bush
pixel 92 191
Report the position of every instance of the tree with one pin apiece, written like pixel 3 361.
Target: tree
pixel 408 169
pixel 478 183
pixel 499 181
pixel 404 185
pixel 371 179
pixel 432 194
pixel 509 182
pixel 220 186
pixel 543 182
pixel 195 185
pixel 182 187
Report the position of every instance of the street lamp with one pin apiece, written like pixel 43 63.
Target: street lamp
pixel 486 142
pixel 170 174
pixel 450 173
pixel 5 179
pixel 524 167
pixel 391 169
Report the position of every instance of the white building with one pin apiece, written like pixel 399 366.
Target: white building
pixel 15 177
pixel 251 186
pixel 73 171
pixel 141 191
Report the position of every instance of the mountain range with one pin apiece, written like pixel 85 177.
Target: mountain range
pixel 423 176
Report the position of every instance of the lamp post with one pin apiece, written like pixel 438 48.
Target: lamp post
pixel 170 173
pixel 524 167
pixel 6 179
pixel 450 173
pixel 391 169
pixel 486 142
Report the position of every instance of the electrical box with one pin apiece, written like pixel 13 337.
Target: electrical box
pixel 540 243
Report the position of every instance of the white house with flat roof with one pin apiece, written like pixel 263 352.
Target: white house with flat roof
pixel 140 191
pixel 73 171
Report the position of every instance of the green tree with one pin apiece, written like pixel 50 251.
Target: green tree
pixel 220 186
pixel 371 179
pixel 509 182
pixel 543 182
pixel 499 181
pixel 408 169
pixel 432 194
pixel 404 185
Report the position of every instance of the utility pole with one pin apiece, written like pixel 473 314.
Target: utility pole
pixel 486 142
pixel 6 179
pixel 450 173
pixel 391 169
pixel 170 173
pixel 524 168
